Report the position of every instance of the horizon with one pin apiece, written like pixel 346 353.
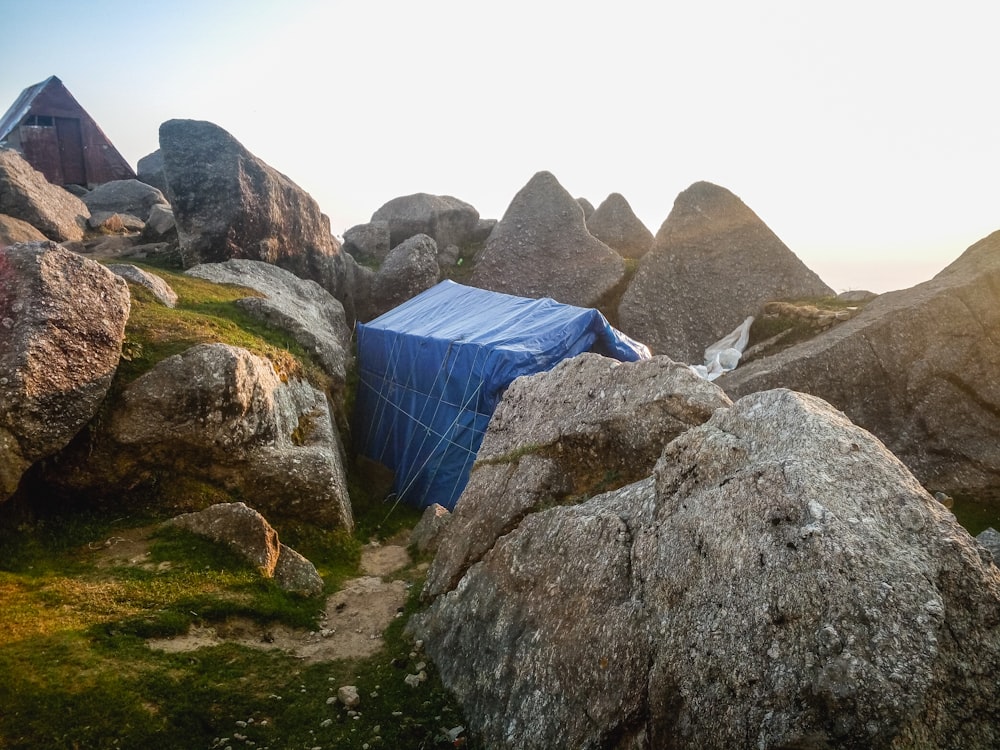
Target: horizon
pixel 861 136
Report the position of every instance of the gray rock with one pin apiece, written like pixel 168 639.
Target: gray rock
pixel 348 696
pixel 239 527
pixel 229 204
pixel 368 243
pixel 217 416
pixel 781 581
pixel 990 539
pixel 160 289
pixel 856 295
pixel 296 574
pixel 14 231
pixel 125 197
pixel 410 268
pixel 913 367
pixel 714 262
pixel 541 248
pixel 62 324
pixel 587 206
pixel 616 225
pixel 447 220
pixel 150 170
pixel 302 308
pixel 426 534
pixel 586 426
pixel 484 228
pixel 25 194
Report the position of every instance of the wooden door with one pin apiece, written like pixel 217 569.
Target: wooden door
pixel 71 151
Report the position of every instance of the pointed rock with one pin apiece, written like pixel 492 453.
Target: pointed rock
pixel 541 248
pixel 616 225
pixel 713 263
pixel 915 367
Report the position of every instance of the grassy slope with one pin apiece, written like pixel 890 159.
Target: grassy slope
pixel 75 671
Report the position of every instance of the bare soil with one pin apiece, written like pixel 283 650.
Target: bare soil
pixel 351 627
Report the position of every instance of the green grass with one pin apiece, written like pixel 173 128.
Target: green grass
pixel 75 668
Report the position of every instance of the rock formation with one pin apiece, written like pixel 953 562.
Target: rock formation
pixel 368 243
pixel 220 416
pixel 125 197
pixel 589 424
pixel 915 367
pixel 541 248
pixel 14 231
pixel 156 285
pixel 410 268
pixel 780 581
pixel 25 194
pixel 713 263
pixel 62 324
pixel 302 308
pixel 447 220
pixel 616 225
pixel 229 204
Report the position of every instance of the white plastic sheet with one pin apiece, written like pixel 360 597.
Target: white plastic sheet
pixel 724 355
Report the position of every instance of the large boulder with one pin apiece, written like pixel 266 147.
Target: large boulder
pixel 125 197
pixel 714 262
pixel 62 324
pixel 368 243
pixel 14 231
pixel 616 225
pixel 780 581
pixel 229 204
pixel 541 248
pixel 448 220
pixel 301 308
pixel 217 416
pixel 587 425
pixel 410 268
pixel 916 367
pixel 25 194
pixel 149 169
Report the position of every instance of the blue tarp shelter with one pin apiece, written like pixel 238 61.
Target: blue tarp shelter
pixel 432 371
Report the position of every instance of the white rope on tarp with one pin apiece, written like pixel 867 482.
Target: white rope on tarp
pixel 384 404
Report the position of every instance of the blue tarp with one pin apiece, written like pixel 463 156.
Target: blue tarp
pixel 432 371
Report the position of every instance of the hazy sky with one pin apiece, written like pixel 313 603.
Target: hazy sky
pixel 864 134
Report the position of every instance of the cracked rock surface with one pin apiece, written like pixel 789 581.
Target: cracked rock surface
pixel 781 580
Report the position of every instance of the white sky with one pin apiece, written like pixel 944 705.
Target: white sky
pixel 864 134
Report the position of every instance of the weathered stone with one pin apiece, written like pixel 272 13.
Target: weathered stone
pixel 25 194
pixel 913 367
pixel 239 527
pixel 150 170
pixel 587 206
pixel 229 204
pixel 217 416
pixel 368 243
pixel 296 574
pixel 62 324
pixel 781 581
pixel 427 533
pixel 410 268
pixel 125 197
pixel 14 231
pixel 616 225
pixel 714 262
pixel 990 539
pixel 348 696
pixel 586 426
pixel 302 308
pixel 160 289
pixel 541 248
pixel 447 220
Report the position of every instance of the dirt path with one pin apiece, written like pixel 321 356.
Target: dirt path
pixel 351 626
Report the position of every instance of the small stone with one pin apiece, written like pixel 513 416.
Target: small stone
pixel 325 723
pixel 348 695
